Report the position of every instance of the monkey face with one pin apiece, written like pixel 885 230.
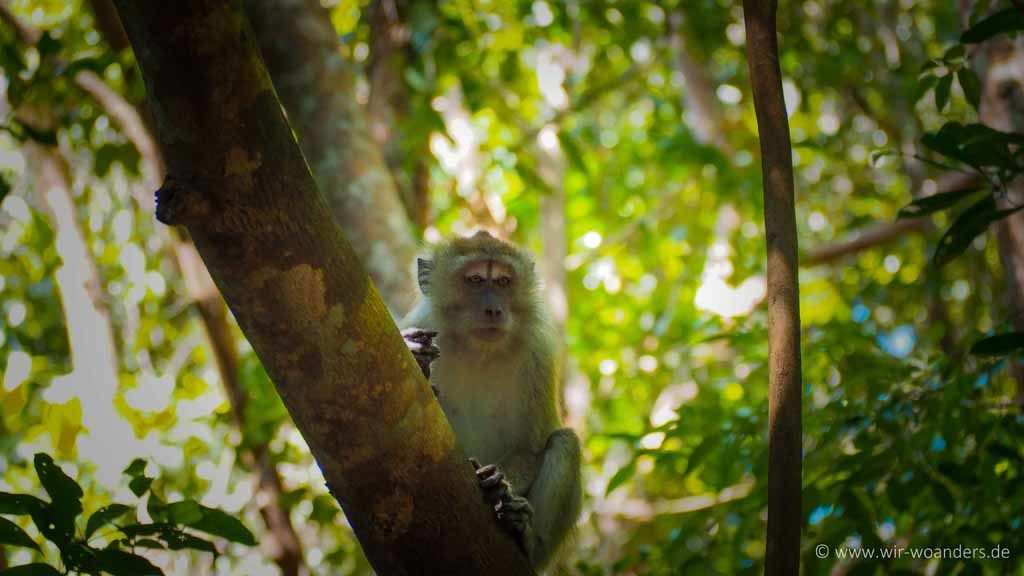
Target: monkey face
pixel 482 293
pixel 487 285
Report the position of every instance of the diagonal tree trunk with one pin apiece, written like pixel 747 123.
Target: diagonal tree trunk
pixel 240 185
pixel 284 541
pixel 785 445
pixel 316 86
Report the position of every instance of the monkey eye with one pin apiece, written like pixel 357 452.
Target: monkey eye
pixel 474 279
pixel 503 281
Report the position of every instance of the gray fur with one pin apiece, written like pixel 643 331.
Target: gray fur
pixel 502 399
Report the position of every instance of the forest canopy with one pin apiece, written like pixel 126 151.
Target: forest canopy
pixel 617 141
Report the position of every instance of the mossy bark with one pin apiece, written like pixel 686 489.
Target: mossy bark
pixel 317 87
pixel 239 183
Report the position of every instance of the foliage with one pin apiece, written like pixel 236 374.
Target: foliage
pixel 56 521
pixel 912 433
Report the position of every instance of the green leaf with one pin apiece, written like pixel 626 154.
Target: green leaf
pixel 220 523
pixel 174 538
pixel 976 145
pixel 999 344
pixel 325 509
pixel 20 504
pixel 955 52
pixel 79 557
pixel 180 540
pixel 44 137
pixel 104 516
pixel 186 512
pixel 1007 20
pixel 700 453
pixel 48 44
pixel 34 569
pixel 5 187
pixel 140 485
pixel 65 493
pixel 149 543
pixel 971 86
pixel 120 563
pixel 942 91
pixel 42 514
pixel 624 473
pixel 156 508
pixel 136 468
pixel 937 202
pixel 134 530
pixel 967 226
pixel 13 535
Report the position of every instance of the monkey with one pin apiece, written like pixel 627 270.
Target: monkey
pixel 494 372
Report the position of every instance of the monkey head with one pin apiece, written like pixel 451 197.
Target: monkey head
pixel 483 291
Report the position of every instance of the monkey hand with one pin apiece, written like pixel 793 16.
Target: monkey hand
pixel 513 512
pixel 421 344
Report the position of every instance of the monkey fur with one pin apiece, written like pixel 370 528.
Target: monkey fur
pixel 494 372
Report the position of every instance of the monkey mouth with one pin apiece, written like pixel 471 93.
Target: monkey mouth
pixel 489 334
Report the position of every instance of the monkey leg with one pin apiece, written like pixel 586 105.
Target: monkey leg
pixel 556 495
pixel 421 344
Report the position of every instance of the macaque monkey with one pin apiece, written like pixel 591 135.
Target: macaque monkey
pixel 494 373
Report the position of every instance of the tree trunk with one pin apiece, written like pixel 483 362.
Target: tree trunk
pixel 699 104
pixel 315 85
pixel 389 107
pixel 999 63
pixel 1002 108
pixel 238 182
pixel 784 452
pixel 281 539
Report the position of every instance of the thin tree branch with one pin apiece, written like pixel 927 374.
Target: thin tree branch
pixel 782 556
pixel 884 233
pixel 26 33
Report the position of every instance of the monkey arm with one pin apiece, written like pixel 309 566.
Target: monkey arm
pixel 555 495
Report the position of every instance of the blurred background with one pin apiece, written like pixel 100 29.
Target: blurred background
pixel 617 141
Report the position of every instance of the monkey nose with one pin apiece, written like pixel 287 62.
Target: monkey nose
pixel 493 313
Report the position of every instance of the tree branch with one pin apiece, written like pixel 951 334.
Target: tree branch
pixel 27 34
pixel 302 298
pixel 884 233
pixel 864 239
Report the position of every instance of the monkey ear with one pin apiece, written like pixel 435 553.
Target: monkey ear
pixel 424 269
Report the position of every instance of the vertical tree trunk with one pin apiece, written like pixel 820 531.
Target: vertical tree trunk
pixel 1002 108
pixel 699 106
pixel 388 107
pixel 238 182
pixel 316 86
pixel 784 465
